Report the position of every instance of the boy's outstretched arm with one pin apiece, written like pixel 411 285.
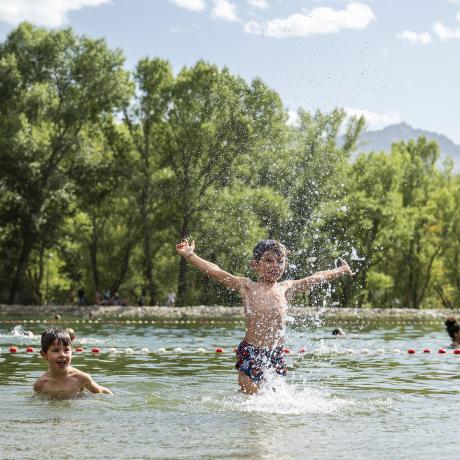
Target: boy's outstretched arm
pixel 187 251
pixel 93 387
pixel 299 286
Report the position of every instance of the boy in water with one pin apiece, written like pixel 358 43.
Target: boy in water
pixel 62 380
pixel 265 305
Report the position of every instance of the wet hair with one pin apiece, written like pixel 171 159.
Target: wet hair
pixel 452 326
pixel 264 246
pixel 338 331
pixel 52 335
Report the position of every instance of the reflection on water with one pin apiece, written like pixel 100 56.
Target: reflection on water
pixel 187 405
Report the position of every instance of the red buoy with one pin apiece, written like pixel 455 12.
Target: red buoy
pixel 13 349
pixel 441 351
pixel 286 350
pixel 302 350
pixel 457 351
pixel 426 350
pixel 79 349
pixel 29 350
pixel 95 350
pixel 411 351
pixel 219 350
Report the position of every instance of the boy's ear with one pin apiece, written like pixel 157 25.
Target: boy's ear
pixel 44 356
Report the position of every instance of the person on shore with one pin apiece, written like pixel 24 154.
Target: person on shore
pixel 171 300
pixel 61 380
pixel 81 296
pixel 106 298
pixel 117 300
pixel 265 305
pixel 141 298
pixel 453 329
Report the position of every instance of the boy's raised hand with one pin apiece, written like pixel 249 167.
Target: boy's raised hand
pixel 184 249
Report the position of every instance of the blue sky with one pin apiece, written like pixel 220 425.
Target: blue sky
pixel 394 60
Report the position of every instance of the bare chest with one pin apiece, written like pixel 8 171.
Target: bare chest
pixel 260 299
pixel 70 385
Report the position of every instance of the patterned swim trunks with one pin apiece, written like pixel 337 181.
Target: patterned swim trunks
pixel 252 360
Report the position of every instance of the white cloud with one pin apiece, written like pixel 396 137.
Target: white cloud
pixel 193 5
pixel 223 9
pixel 375 120
pixel 320 20
pixel 446 33
pixel 49 13
pixel 414 37
pixel 261 4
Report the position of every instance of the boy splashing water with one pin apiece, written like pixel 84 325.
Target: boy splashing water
pixel 61 380
pixel 265 305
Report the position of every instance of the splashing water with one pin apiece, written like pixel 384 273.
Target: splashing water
pixel 20 331
pixel 277 396
pixel 354 255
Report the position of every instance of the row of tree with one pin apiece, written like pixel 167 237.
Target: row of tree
pixel 103 170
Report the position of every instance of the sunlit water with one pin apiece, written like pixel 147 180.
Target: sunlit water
pixel 333 404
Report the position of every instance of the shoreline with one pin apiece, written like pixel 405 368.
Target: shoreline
pixel 218 312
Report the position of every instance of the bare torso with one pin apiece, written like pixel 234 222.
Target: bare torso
pixel 70 384
pixel 265 310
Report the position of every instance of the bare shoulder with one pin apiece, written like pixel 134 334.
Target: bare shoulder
pixel 248 286
pixel 245 282
pixel 82 377
pixel 286 284
pixel 40 383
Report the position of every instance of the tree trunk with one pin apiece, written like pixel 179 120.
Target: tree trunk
pixel 20 271
pixel 93 249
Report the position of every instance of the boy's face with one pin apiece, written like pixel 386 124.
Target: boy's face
pixel 270 267
pixel 58 356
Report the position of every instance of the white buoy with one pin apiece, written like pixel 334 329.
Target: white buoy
pixel 178 350
pixel 145 350
pixel 129 351
pixel 111 350
pixel 349 351
pixel 381 351
pixel 161 350
pixel 201 350
pixel 365 351
pixel 396 351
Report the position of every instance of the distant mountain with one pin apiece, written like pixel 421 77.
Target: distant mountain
pixel 382 139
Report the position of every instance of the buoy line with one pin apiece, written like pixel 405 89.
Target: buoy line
pixel 220 350
pixel 239 321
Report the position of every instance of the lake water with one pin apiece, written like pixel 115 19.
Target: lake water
pixel 374 403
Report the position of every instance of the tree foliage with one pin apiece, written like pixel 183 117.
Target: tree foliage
pixel 103 170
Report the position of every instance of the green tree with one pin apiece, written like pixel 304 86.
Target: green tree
pixel 429 209
pixel 214 121
pixel 146 119
pixel 52 85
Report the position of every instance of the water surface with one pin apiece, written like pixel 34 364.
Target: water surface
pixel 185 405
